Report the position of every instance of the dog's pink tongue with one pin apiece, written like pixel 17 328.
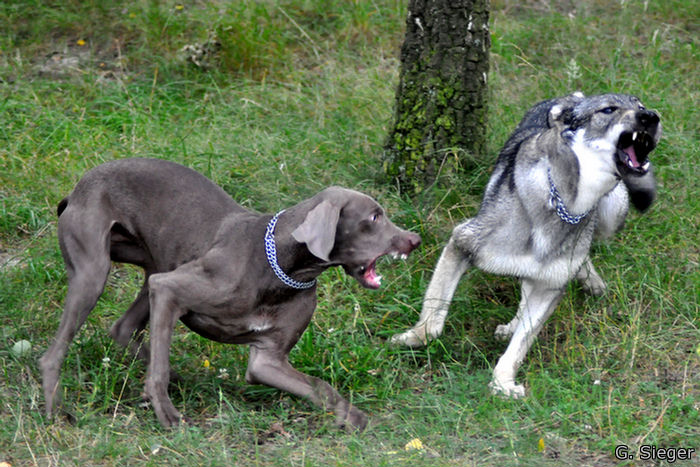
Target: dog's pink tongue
pixel 632 155
pixel 372 278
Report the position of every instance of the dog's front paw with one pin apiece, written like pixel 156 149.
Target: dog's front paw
pixel 169 417
pixel 594 285
pixel 503 332
pixel 352 420
pixel 590 280
pixel 167 414
pixel 507 389
pixel 411 338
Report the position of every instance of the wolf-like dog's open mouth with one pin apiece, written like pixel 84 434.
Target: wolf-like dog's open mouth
pixel 632 153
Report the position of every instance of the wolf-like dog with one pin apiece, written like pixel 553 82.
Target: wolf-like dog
pixel 565 176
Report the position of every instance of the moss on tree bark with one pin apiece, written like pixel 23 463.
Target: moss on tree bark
pixel 440 110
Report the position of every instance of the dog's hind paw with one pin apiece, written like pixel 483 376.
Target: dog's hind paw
pixel 512 390
pixel 410 338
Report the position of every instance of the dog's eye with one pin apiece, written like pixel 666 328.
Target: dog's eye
pixel 608 110
pixel 374 217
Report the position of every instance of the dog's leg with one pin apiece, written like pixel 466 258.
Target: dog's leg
pixel 272 368
pixel 127 329
pixel 590 280
pixel 165 311
pixel 448 272
pixel 86 255
pixel 537 303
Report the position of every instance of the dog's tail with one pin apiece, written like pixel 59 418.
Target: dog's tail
pixel 61 206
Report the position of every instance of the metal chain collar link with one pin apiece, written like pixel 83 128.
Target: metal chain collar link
pixel 271 253
pixel 559 205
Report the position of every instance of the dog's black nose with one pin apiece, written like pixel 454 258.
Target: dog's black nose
pixel 647 118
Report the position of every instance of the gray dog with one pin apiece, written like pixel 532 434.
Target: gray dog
pixel 229 274
pixel 555 185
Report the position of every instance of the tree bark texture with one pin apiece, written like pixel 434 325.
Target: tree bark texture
pixel 440 110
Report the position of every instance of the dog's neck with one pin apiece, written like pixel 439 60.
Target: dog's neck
pixel 290 261
pixel 560 206
pixel 580 179
pixel 596 175
pixel 271 253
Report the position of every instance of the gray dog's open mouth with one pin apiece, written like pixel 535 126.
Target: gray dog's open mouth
pixel 632 155
pixel 367 275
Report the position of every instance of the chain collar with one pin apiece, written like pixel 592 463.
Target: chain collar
pixel 271 253
pixel 559 206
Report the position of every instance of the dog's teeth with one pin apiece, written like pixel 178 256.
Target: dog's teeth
pixel 634 136
pixel 378 279
pixel 646 165
pixel 629 163
pixel 404 256
pixel 394 255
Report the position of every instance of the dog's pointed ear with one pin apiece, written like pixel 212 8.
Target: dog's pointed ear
pixel 559 116
pixel 318 229
pixel 562 112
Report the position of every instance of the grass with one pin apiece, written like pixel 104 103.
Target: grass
pixel 299 97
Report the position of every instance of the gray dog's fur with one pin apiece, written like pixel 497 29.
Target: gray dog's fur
pixel 581 146
pixel 205 263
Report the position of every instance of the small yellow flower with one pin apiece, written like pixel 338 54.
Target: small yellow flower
pixel 80 42
pixel 414 444
pixel 179 7
pixel 540 445
pixel 206 363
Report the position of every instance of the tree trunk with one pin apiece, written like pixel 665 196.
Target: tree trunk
pixel 441 98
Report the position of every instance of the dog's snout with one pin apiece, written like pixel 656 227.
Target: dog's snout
pixel 647 118
pixel 408 241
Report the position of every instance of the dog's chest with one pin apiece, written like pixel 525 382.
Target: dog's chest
pixel 544 252
pixel 229 328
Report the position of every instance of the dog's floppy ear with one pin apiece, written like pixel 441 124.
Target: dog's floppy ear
pixel 318 229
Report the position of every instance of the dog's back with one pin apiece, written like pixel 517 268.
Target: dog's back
pixel 121 196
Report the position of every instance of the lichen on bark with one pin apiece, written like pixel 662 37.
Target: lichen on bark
pixel 440 109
